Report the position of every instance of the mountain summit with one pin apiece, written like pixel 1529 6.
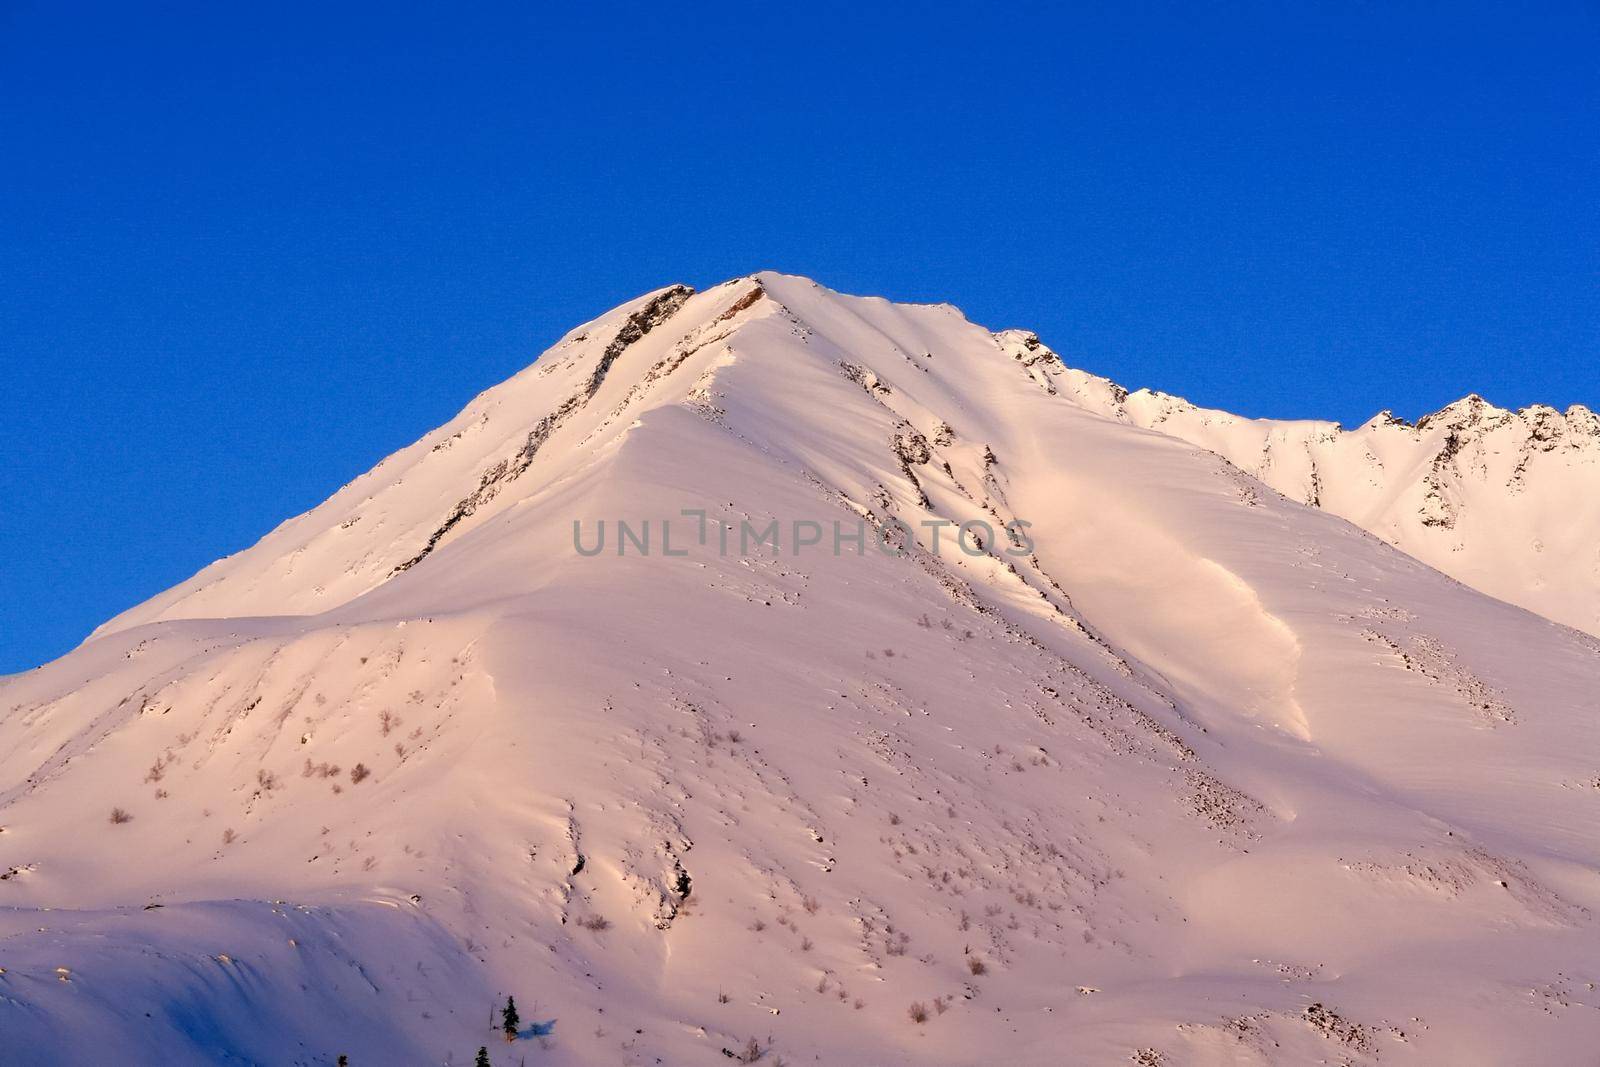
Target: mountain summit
pixel 1506 502
pixel 767 673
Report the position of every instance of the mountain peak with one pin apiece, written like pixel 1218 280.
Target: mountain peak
pixel 675 348
pixel 1470 412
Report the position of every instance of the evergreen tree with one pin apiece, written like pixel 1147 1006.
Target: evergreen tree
pixel 483 1058
pixel 509 1018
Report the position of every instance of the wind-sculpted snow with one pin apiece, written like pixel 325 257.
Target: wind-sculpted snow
pixel 1178 771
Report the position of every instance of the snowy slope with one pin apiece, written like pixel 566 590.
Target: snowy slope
pixel 1506 501
pixel 1202 775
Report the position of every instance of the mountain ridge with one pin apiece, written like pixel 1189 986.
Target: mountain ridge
pixel 1570 595
pixel 1501 500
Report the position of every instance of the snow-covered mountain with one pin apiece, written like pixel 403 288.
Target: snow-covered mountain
pixel 1144 763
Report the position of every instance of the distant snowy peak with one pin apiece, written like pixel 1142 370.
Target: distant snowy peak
pixel 1503 500
pixel 1537 428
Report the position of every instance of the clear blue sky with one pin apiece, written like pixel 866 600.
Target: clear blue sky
pixel 248 250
